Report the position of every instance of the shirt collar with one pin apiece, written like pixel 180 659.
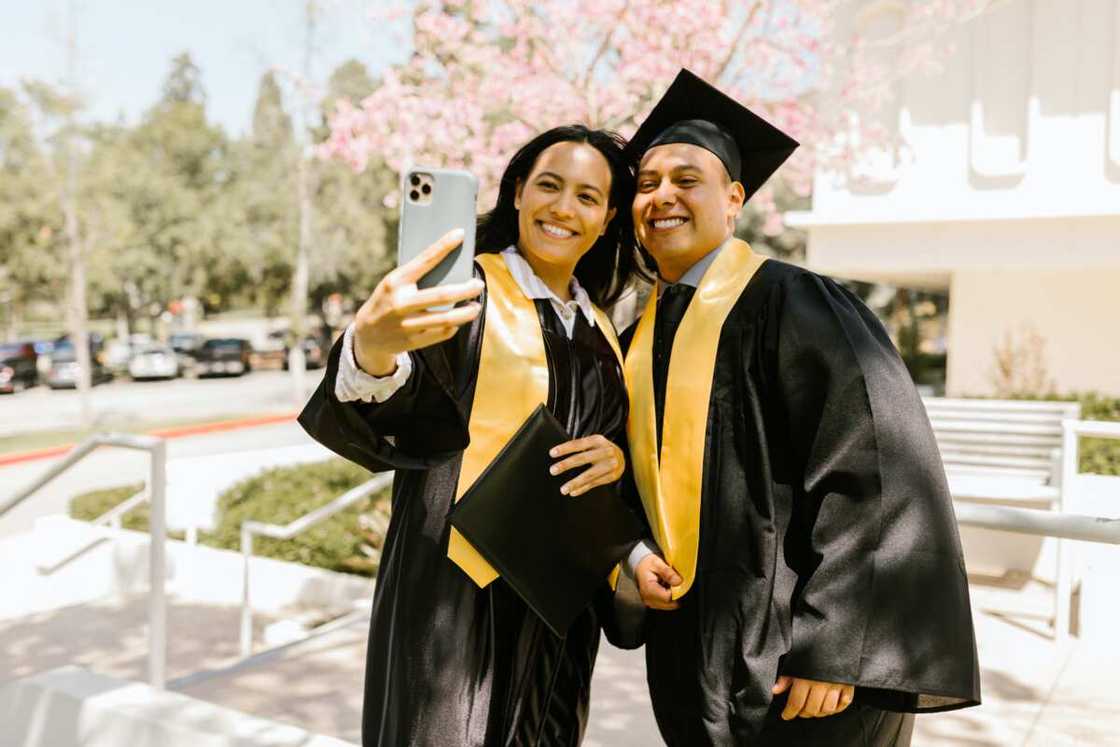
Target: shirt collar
pixel 535 288
pixel 695 274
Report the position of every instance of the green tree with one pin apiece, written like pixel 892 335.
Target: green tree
pixel 31 256
pixel 357 233
pixel 175 197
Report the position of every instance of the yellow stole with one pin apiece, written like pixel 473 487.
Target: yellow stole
pixel 670 483
pixel 512 380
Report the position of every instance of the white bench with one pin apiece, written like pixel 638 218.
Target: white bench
pixel 1004 452
pixel 1001 451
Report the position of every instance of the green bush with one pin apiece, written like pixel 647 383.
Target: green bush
pixel 88 506
pixel 349 541
pixel 1099 456
pixel 283 494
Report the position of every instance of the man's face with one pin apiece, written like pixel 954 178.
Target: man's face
pixel 685 206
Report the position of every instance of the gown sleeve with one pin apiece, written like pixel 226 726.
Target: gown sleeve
pixel 882 596
pixel 421 425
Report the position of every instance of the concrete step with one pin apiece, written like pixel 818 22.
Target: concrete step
pixel 73 707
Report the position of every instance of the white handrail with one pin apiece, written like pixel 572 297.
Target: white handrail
pixel 287 531
pixel 157 484
pixel 113 516
pixel 1057 523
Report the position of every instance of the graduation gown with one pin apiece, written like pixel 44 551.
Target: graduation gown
pixel 449 663
pixel 828 548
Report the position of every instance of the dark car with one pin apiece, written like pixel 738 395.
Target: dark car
pixel 18 368
pixel 63 372
pixel 226 355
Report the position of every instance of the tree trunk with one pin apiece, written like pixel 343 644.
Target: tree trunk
pixel 297 363
pixel 76 307
pixel 305 189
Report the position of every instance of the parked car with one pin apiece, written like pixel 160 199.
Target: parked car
pixel 17 366
pixel 118 353
pixel 186 346
pixel 154 361
pixel 63 373
pixel 315 351
pixel 227 355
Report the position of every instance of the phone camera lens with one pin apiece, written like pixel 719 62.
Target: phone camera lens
pixel 414 195
pixel 415 180
pixel 426 189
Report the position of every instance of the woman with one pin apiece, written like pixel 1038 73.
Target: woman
pixel 455 657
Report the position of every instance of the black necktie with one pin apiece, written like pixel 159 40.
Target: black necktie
pixel 670 309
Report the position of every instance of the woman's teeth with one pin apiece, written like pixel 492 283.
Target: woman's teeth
pixel 668 223
pixel 557 231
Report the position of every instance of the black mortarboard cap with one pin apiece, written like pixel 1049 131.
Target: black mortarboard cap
pixel 695 112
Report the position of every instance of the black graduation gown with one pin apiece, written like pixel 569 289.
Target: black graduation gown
pixel 447 663
pixel 828 544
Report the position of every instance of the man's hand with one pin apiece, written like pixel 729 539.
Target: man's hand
pixel 812 699
pixel 607 463
pixel 655 580
pixel 395 318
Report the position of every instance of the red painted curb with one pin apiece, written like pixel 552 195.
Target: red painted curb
pixel 30 456
pixel 177 432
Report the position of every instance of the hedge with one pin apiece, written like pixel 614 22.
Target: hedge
pixel 349 541
pixel 283 494
pixel 1099 456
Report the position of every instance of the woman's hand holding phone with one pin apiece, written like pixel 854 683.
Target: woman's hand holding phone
pixel 396 317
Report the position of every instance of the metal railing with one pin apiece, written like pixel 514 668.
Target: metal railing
pixel 1057 524
pixel 251 528
pixel 157 494
pixel 112 518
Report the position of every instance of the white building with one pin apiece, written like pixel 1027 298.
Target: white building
pixel 1007 194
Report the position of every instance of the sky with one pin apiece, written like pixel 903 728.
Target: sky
pixel 125 48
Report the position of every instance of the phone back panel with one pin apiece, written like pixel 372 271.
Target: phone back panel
pixel 449 205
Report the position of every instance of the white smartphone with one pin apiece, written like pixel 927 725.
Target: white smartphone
pixel 433 202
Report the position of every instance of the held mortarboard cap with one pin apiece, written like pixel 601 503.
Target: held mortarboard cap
pixel 695 112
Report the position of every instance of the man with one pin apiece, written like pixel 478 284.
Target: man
pixel 807 585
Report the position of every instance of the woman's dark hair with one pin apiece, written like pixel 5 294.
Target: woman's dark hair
pixel 611 262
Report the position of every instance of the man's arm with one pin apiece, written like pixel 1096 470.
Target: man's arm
pixel 882 601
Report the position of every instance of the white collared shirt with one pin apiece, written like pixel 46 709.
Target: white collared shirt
pixel 353 384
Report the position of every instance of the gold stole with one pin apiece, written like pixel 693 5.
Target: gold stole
pixel 670 485
pixel 512 380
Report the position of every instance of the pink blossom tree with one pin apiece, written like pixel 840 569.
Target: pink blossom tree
pixel 485 75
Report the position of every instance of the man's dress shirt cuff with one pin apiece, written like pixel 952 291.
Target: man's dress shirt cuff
pixel 353 384
pixel 638 554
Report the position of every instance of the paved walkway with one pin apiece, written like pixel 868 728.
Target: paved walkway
pixel 1036 692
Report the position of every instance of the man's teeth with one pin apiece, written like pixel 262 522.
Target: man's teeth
pixel 668 223
pixel 557 231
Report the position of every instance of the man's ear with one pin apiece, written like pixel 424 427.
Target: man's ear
pixel 737 197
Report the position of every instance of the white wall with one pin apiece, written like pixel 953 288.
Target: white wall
pixel 1076 312
pixel 1006 192
pixel 1022 119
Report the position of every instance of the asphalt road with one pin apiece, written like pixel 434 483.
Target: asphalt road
pixel 43 409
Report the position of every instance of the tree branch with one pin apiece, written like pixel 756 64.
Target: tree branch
pixel 603 46
pixel 742 32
